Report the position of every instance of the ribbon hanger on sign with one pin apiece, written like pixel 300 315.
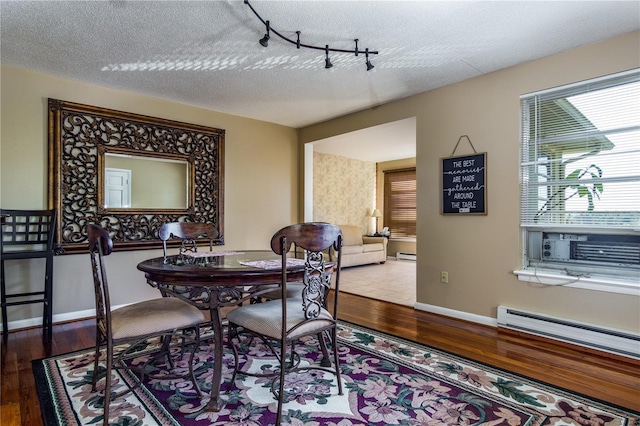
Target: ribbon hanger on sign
pixel 456 147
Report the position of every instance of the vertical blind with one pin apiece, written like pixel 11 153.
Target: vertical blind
pixel 580 154
pixel 400 202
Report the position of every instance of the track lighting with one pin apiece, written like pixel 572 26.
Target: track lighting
pixel 327 62
pixel 264 41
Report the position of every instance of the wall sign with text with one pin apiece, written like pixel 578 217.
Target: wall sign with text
pixel 464 186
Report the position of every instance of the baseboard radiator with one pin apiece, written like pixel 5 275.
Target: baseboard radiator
pixel 405 256
pixel 609 340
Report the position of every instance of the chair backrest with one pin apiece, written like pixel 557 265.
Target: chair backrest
pixel 26 231
pixel 100 245
pixel 189 232
pixel 316 239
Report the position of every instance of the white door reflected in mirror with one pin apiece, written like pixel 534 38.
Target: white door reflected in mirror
pixel 117 189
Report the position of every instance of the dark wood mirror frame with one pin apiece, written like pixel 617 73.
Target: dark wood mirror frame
pixel 79 135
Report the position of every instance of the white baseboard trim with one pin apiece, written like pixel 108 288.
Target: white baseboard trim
pixel 491 322
pixel 88 313
pixel 65 317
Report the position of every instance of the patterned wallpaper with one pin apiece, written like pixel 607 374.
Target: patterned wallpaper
pixel 343 190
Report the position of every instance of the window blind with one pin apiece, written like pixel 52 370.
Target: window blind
pixel 580 155
pixel 400 202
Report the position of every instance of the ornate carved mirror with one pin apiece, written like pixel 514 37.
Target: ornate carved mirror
pixel 131 174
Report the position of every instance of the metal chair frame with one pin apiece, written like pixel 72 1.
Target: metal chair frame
pixel 100 246
pixel 189 232
pixel 314 238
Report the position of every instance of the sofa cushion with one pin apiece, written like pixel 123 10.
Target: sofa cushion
pixel 372 247
pixel 351 234
pixel 346 250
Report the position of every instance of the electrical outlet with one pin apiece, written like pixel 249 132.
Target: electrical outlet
pixel 444 277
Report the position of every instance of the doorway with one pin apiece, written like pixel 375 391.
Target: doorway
pixel 387 146
pixel 386 142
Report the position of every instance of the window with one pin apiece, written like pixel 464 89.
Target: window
pixel 580 177
pixel 400 202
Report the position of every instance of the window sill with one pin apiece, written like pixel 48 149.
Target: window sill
pixel 551 277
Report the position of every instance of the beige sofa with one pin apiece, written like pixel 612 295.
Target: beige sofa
pixel 360 249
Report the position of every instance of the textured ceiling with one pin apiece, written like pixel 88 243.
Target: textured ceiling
pixel 206 53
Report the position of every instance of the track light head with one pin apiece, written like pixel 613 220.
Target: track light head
pixel 327 62
pixel 264 41
pixel 369 64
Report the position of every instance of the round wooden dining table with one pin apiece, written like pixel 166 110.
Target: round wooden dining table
pixel 213 280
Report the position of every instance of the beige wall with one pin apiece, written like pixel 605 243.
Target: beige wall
pixel 261 180
pixel 480 252
pixel 343 190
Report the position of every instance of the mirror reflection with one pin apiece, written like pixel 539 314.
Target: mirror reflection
pixel 137 182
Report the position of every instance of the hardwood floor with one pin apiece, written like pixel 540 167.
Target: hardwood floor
pixel 609 378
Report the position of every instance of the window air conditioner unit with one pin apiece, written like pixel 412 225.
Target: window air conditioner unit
pixel 611 250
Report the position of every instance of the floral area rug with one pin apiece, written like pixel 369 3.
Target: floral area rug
pixel 386 381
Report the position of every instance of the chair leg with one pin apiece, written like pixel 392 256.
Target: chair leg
pixel 283 367
pixel 96 359
pixel 233 348
pixel 165 349
pixel 292 355
pixel 193 352
pixel 325 362
pixel 107 384
pixel 47 315
pixel 96 365
pixel 3 302
pixel 336 362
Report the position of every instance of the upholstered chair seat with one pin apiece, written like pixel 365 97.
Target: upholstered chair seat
pixel 266 318
pixel 151 317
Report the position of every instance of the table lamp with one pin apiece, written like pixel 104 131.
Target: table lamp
pixel 376 213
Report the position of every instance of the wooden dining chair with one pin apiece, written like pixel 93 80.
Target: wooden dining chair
pixel 189 233
pixel 281 322
pixel 165 318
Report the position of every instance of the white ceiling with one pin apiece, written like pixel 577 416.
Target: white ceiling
pixel 206 53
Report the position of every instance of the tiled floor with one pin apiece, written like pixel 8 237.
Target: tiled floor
pixel 394 281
